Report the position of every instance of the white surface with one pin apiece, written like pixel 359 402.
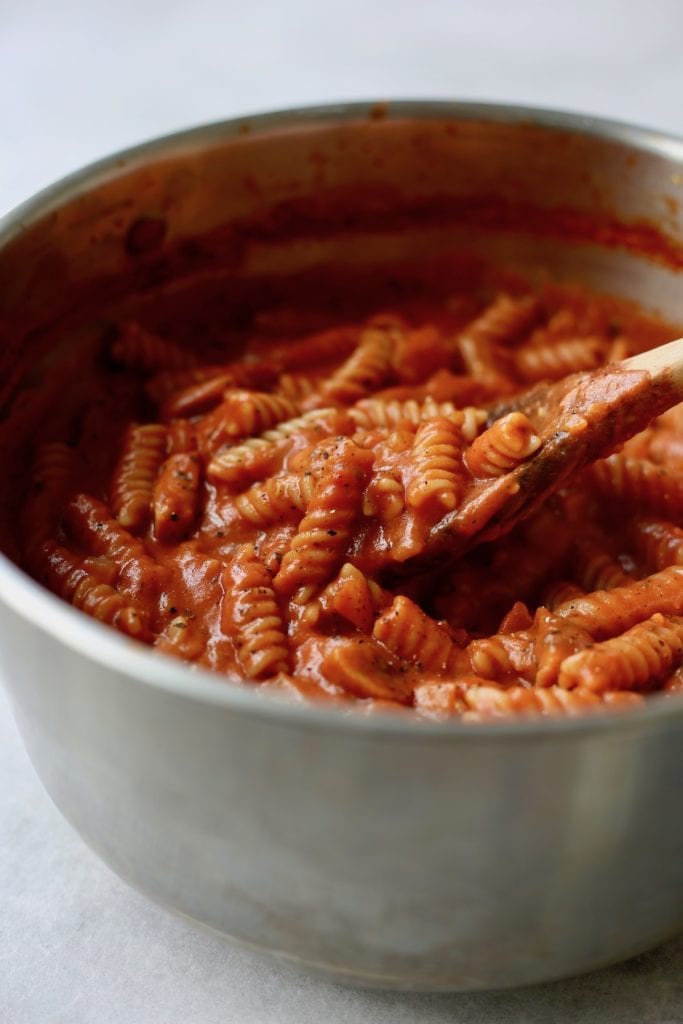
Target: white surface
pixel 78 80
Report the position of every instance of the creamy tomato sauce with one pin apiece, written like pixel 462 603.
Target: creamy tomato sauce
pixel 254 514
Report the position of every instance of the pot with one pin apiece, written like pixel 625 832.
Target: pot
pixel 380 849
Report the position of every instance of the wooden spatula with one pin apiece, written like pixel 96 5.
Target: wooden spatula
pixel 581 418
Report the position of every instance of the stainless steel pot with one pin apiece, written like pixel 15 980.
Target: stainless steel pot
pixel 381 850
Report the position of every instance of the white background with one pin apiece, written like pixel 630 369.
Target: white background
pixel 78 80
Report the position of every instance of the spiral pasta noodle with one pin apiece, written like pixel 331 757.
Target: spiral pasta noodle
pixel 251 614
pixel 606 613
pixel 377 412
pixel 534 363
pixel 175 497
pixel 642 655
pixel 597 570
pixel 646 486
pixel 245 413
pixel 499 325
pixel 657 542
pixel 406 631
pixel 436 474
pixel 143 350
pixel 509 441
pixel 143 451
pixel 277 498
pixel 367 368
pixel 254 457
pixel 325 530
pixel 67 576
pixel 53 471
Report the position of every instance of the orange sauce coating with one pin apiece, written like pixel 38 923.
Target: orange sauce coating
pixel 251 515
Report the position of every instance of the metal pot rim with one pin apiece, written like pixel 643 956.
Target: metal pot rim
pixel 102 644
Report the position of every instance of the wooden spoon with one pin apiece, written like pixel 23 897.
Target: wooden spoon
pixel 580 419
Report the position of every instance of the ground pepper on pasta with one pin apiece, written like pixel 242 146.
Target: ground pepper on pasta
pixel 243 516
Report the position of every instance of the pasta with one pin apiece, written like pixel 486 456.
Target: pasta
pixel 325 530
pixel 606 613
pixel 254 515
pixel 243 414
pixel 144 448
pixel 415 637
pixel 68 576
pixel 479 700
pixel 550 362
pixel 88 523
pixel 278 498
pixel 501 655
pixel 658 543
pixel 354 597
pixel 436 469
pixel 644 485
pixel 505 444
pixel 142 350
pixel 499 325
pixel 175 497
pixel 369 365
pixel 250 609
pixel 640 657
pixel 243 462
pixel 597 570
pixel 53 470
pixel 377 412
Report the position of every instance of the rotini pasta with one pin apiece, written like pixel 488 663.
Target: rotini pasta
pixel 243 414
pixel 325 530
pixel 503 656
pixel 384 497
pixel 503 446
pixel 658 543
pixel 500 324
pixel 277 498
pixel 369 365
pixel 196 397
pixel 175 497
pixel 354 597
pixel 641 657
pixel 561 592
pixel 415 637
pixel 90 524
pixel 143 452
pixel 366 670
pixel 250 614
pixel 597 570
pixel 534 363
pixel 476 699
pixel 377 412
pixel 53 472
pixel 255 457
pixel 194 391
pixel 556 640
pixel 254 515
pixel 435 472
pixel 67 575
pixel 490 701
pixel 606 613
pixel 644 485
pixel 140 349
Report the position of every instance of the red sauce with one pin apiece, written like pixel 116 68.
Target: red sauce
pixel 251 514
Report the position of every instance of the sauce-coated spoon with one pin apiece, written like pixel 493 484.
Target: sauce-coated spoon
pixel 580 419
